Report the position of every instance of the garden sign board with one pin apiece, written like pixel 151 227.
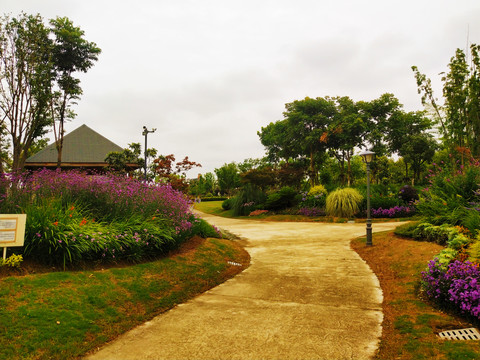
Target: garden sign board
pixel 12 230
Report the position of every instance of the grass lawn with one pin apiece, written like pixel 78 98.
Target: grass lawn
pixel 63 315
pixel 410 324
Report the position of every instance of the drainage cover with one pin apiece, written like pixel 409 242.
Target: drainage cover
pixel 461 334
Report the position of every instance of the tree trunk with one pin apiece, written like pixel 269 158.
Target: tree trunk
pixel 406 169
pixel 312 170
pixel 349 170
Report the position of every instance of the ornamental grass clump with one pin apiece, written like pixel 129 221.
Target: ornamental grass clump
pixel 343 202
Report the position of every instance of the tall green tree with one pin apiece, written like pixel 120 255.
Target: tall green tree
pixel 228 178
pixel 26 74
pixel 407 135
pixel 345 133
pixel 298 135
pixel 417 151
pixel 378 113
pixel 71 53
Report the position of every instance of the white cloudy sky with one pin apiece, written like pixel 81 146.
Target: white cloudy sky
pixel 208 74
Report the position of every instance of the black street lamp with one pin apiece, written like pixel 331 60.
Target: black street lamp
pixel 367 157
pixel 145 133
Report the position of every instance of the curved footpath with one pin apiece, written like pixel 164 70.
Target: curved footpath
pixel 306 295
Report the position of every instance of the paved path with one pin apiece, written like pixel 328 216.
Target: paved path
pixel 306 295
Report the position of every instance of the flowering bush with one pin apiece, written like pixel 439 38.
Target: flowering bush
pixel 457 284
pixel 311 212
pixel 73 216
pixel 397 211
pixel 408 194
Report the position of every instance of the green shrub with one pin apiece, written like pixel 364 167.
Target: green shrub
pixel 452 198
pixel 12 261
pixel 474 251
pixel 247 199
pixel 203 229
pixel 283 199
pixel 314 198
pixel 381 196
pixel 458 241
pixel 343 202
pixel 452 236
pixel 406 230
pixel 227 204
pixel 317 190
pixel 433 233
pixel 213 198
pixel 446 256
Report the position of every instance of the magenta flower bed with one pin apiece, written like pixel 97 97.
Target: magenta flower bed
pixel 458 284
pixel 311 212
pixel 74 216
pixel 397 211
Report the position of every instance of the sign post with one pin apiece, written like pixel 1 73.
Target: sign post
pixel 12 231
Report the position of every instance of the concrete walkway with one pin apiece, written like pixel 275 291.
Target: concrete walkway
pixel 306 295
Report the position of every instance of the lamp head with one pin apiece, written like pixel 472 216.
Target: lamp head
pixel 367 156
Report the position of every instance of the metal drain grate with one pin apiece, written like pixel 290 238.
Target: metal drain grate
pixel 461 334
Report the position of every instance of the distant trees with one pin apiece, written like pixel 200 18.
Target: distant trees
pixel 313 129
pixel 37 86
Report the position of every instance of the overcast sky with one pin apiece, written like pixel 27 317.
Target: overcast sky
pixel 208 74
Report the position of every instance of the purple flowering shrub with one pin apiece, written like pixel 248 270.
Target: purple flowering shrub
pixel 73 216
pixel 408 194
pixel 311 211
pixel 457 284
pixel 397 211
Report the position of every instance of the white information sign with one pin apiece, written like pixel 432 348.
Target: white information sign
pixel 12 229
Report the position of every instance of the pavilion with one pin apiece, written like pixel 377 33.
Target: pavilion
pixel 83 148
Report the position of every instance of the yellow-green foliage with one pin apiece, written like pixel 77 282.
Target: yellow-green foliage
pixel 12 261
pixel 343 202
pixel 317 190
pixel 474 250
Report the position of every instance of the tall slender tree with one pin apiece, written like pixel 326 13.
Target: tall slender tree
pixel 71 53
pixel 459 115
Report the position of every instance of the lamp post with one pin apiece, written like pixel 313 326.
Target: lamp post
pixel 145 133
pixel 367 157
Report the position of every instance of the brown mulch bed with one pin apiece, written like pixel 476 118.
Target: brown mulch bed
pixel 398 262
